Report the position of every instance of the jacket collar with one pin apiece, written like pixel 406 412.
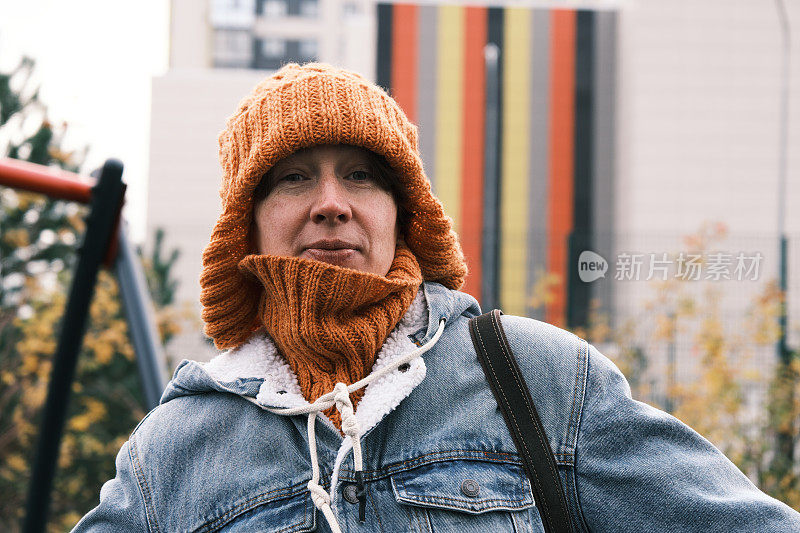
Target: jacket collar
pixel 446 304
pixel 245 378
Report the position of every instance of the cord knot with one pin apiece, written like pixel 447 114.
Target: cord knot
pixel 319 496
pixel 345 406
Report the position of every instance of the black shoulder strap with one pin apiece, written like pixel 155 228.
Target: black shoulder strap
pixel 523 422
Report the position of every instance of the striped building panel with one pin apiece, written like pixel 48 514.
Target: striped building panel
pixel 383 70
pixel 490 261
pixel 449 110
pixel 539 163
pixel 405 40
pixel 520 153
pixel 583 148
pixel 515 177
pixel 604 135
pixel 426 79
pixel 473 145
pixel 562 116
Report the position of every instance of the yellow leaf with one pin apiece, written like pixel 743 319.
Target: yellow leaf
pixel 16 462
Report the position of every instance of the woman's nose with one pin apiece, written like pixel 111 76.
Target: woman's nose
pixel 331 203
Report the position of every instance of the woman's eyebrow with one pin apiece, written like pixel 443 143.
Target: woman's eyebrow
pixel 286 164
pixel 354 164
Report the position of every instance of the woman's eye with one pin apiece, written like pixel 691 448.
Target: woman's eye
pixel 360 175
pixel 293 178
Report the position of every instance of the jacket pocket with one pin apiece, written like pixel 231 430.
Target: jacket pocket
pixel 276 512
pixel 467 495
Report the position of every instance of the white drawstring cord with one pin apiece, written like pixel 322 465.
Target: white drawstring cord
pixel 340 397
pixel 352 430
pixel 319 496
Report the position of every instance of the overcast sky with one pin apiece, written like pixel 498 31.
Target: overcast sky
pixel 95 60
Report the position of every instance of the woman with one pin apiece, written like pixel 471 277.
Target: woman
pixel 331 271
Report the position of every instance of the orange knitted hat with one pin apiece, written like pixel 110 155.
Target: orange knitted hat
pixel 296 107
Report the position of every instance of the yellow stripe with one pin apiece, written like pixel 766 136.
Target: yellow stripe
pixel 516 143
pixel 449 105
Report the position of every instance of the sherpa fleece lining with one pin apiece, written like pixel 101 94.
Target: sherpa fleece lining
pixel 258 358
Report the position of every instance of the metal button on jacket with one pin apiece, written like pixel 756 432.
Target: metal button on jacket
pixel 350 492
pixel 470 488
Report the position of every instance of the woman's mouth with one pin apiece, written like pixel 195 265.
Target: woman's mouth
pixel 334 252
pixel 339 257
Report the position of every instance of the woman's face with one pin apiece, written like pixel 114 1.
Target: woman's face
pixel 325 204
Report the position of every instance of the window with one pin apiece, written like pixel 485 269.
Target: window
pixel 232 13
pixel 273 48
pixel 307 50
pixel 273 52
pixel 233 48
pixel 274 8
pixel 351 9
pixel 291 8
pixel 309 8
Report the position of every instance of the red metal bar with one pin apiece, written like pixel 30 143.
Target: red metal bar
pixel 55 183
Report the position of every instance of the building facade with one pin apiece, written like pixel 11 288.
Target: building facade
pixel 684 138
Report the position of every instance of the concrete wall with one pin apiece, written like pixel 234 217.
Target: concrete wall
pixel 190 107
pixel 190 34
pixel 698 130
pixel 698 115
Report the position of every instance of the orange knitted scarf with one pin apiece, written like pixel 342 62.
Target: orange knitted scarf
pixel 330 322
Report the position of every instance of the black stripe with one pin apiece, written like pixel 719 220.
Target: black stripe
pixel 578 292
pixel 384 56
pixel 493 147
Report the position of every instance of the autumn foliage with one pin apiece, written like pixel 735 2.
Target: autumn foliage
pixel 38 250
pixel 685 352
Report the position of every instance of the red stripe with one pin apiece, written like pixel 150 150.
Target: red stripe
pixel 562 91
pixel 405 39
pixel 473 146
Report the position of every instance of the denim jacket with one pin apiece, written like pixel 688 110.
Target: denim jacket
pixel 437 456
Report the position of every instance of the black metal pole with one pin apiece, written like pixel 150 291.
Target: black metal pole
pixel 104 209
pixel 491 195
pixel 784 355
pixel 785 373
pixel 140 317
